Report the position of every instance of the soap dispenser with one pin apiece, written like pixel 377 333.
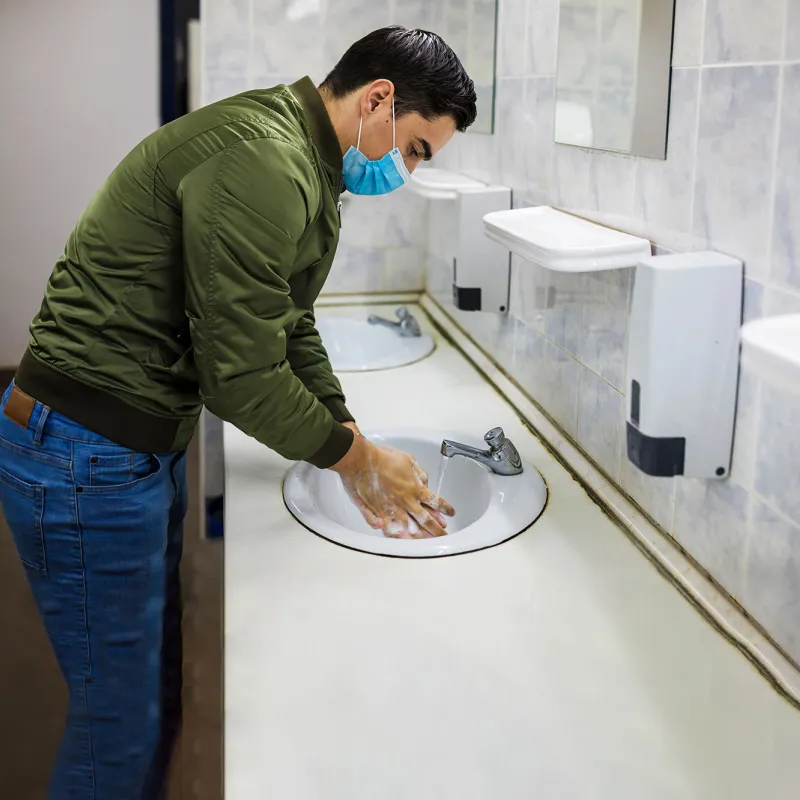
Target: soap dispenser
pixel 683 364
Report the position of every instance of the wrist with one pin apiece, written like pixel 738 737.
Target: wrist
pixel 355 456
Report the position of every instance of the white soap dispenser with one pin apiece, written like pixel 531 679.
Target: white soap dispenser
pixel 683 364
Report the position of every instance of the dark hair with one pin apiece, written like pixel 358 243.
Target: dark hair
pixel 427 75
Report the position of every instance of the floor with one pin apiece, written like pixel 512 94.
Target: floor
pixel 33 697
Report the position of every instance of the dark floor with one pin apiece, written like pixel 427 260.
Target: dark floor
pixel 32 694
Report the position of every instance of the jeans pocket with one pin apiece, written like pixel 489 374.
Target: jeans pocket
pixel 23 507
pixel 120 469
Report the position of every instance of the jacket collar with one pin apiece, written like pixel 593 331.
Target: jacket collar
pixel 322 130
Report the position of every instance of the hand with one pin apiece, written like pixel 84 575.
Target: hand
pixel 391 491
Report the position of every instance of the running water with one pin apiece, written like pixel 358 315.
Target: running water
pixel 442 470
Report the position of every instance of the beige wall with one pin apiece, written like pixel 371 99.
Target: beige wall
pixel 79 89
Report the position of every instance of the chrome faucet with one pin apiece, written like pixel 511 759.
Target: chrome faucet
pixel 407 325
pixel 502 457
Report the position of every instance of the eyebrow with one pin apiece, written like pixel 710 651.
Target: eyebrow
pixel 426 149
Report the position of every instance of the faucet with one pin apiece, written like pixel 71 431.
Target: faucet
pixel 502 457
pixel 406 326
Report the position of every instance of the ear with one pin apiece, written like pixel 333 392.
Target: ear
pixel 379 93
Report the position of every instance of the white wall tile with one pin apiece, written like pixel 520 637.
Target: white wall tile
pixel 778 301
pixel 542 36
pixel 664 191
pixel 792 36
pixel 687 46
pixel 778 454
pixel 571 178
pixel 711 523
pixel 227 42
pixel 539 150
pixel 218 87
pixel 404 269
pixel 512 56
pixel 550 376
pixel 356 269
pixel 786 229
pixel 563 314
pixel 605 324
pixel 600 422
pixel 512 133
pixel 738 109
pixel 654 495
pixel 743 30
pixel 745 435
pixel 612 179
pixel 772 582
pixel 753 300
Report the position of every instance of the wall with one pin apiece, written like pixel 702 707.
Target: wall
pixel 258 43
pixel 731 182
pixel 80 89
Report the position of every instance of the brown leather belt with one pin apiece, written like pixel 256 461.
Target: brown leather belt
pixel 19 407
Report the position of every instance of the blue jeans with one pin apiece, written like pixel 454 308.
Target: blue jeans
pixel 99 530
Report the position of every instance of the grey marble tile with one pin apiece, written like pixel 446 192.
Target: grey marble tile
pixel 287 38
pixel 571 178
pixel 743 31
pixel 785 230
pixel 218 87
pixel 356 270
pixel 654 495
pixel 687 47
pixel 711 523
pixel 512 133
pixel 550 376
pixel 404 269
pixel 512 57
pixel 772 580
pixel 530 295
pixel 605 324
pixel 563 314
pixel 738 110
pixel 539 148
pixel 600 422
pixel 778 301
pixel 542 36
pixel 746 429
pixel 778 454
pixel 612 179
pixel 226 26
pixel 753 300
pixel 664 192
pixel 792 46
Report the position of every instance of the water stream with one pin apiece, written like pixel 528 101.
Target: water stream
pixel 442 470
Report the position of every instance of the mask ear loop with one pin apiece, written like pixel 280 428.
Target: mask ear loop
pixel 394 138
pixel 360 123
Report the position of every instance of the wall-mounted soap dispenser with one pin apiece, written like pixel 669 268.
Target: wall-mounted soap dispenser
pixel 481 268
pixel 683 364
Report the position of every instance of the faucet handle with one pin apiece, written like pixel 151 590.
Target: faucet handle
pixel 495 438
pixel 402 313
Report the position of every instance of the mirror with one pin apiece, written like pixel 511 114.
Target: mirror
pixel 613 77
pixel 470 28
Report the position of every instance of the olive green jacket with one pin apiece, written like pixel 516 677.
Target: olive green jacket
pixel 190 279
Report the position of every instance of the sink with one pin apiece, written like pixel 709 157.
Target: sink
pixel 355 345
pixel 771 346
pixel 490 509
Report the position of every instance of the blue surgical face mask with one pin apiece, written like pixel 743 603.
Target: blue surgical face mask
pixel 362 176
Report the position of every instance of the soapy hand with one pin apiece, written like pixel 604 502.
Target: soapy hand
pixel 391 491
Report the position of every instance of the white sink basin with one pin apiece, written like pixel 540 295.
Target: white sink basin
pixel 490 508
pixel 354 345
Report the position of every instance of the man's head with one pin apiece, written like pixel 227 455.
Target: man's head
pixel 432 93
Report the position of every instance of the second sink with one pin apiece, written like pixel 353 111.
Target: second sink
pixel 356 345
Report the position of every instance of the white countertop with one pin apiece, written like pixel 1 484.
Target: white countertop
pixel 557 666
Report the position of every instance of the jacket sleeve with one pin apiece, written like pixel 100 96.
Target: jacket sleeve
pixel 244 212
pixel 309 361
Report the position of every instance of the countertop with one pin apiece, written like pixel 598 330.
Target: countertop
pixel 558 666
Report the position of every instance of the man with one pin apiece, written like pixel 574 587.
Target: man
pixel 190 280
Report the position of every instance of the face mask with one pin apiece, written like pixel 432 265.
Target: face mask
pixel 362 176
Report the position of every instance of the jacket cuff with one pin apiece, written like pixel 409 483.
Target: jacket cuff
pixel 335 448
pixel 338 409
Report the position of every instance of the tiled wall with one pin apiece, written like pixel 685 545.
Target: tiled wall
pixel 731 182
pixel 258 43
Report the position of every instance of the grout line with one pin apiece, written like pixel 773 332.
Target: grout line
pixel 735 64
